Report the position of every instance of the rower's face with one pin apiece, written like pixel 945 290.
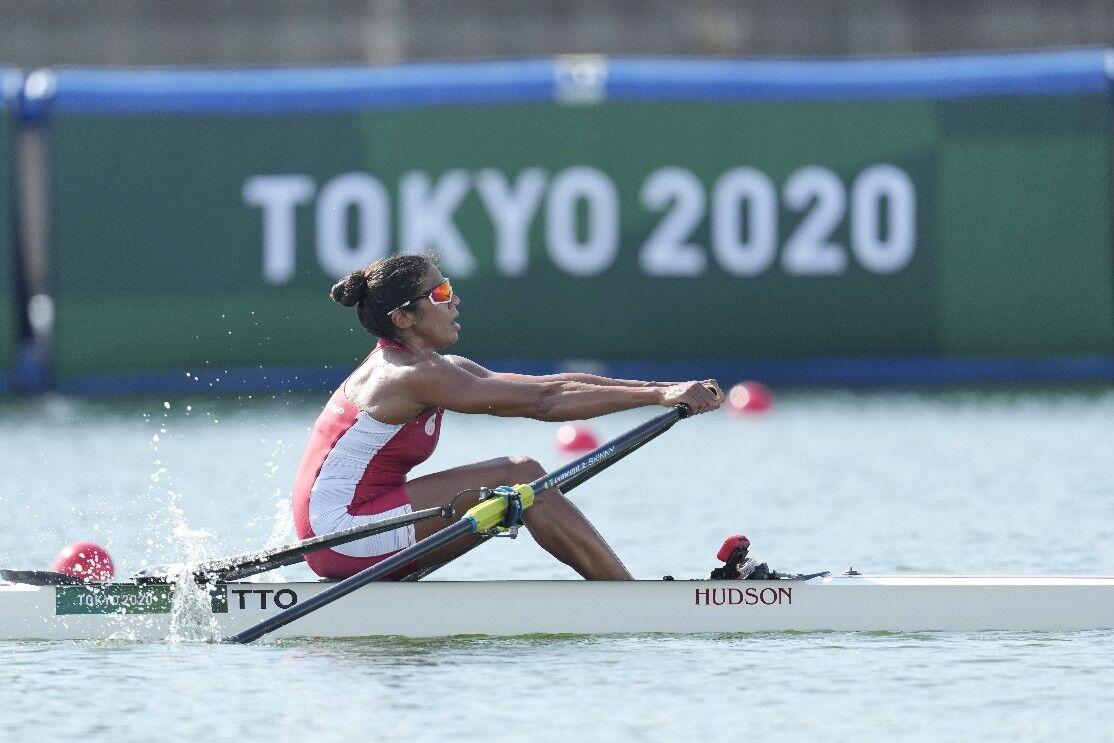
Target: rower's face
pixel 436 323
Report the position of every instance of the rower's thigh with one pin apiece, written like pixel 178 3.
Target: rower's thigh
pixel 437 489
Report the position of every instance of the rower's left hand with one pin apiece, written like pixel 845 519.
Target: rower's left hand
pixel 713 385
pixel 699 396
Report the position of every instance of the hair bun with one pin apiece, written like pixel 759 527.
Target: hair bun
pixel 351 289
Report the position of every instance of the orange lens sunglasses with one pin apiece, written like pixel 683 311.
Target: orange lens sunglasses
pixel 440 294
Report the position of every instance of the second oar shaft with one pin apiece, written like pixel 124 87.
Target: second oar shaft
pixel 348 585
pixel 242 566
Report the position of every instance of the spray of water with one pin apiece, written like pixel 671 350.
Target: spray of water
pixel 282 523
pixel 191 613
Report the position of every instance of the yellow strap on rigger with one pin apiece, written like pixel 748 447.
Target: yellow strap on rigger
pixel 490 513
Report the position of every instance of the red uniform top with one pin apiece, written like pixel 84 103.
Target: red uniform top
pixel 354 471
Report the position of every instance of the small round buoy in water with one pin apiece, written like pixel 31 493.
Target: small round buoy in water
pixel 85 560
pixel 749 397
pixel 576 437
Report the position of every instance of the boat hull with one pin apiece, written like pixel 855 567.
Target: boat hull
pixel 506 608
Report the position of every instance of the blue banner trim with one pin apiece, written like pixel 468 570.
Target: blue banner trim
pixel 884 371
pixel 331 90
pixel 1077 71
pixel 290 91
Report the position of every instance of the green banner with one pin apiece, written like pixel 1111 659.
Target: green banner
pixel 617 231
pixel 1025 262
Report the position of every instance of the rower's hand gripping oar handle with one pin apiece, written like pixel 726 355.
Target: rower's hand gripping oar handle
pixel 684 411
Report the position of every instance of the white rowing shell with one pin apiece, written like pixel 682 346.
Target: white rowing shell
pixel 443 608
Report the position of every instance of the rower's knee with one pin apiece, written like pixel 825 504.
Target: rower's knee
pixel 528 470
pixel 525 469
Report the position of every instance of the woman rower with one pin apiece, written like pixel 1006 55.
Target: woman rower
pixel 385 419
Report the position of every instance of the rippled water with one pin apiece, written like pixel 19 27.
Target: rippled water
pixel 974 481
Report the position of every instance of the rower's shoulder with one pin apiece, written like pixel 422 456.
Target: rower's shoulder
pixel 391 390
pixel 419 369
pixel 381 374
pixel 467 365
pixel 413 379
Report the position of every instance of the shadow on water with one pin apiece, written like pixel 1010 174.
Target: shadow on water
pixel 434 651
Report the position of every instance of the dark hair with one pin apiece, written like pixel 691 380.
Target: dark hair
pixel 384 285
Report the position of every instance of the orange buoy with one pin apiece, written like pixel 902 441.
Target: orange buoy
pixel 85 560
pixel 574 438
pixel 749 397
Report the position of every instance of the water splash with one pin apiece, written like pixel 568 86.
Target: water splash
pixel 191 612
pixel 282 530
pixel 282 524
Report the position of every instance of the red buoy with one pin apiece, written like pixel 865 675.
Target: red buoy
pixel 85 560
pixel 574 438
pixel 749 397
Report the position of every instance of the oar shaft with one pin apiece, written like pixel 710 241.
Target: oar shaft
pixel 348 585
pixel 241 566
pixel 599 459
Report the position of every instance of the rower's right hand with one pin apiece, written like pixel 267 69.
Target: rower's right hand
pixel 700 397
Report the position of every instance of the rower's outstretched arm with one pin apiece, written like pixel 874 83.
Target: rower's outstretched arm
pixel 442 383
pixel 477 370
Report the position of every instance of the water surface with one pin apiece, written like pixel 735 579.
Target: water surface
pixel 981 481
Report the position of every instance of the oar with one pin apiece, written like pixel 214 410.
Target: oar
pixel 224 569
pixel 625 444
pixel 484 517
pixel 631 442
